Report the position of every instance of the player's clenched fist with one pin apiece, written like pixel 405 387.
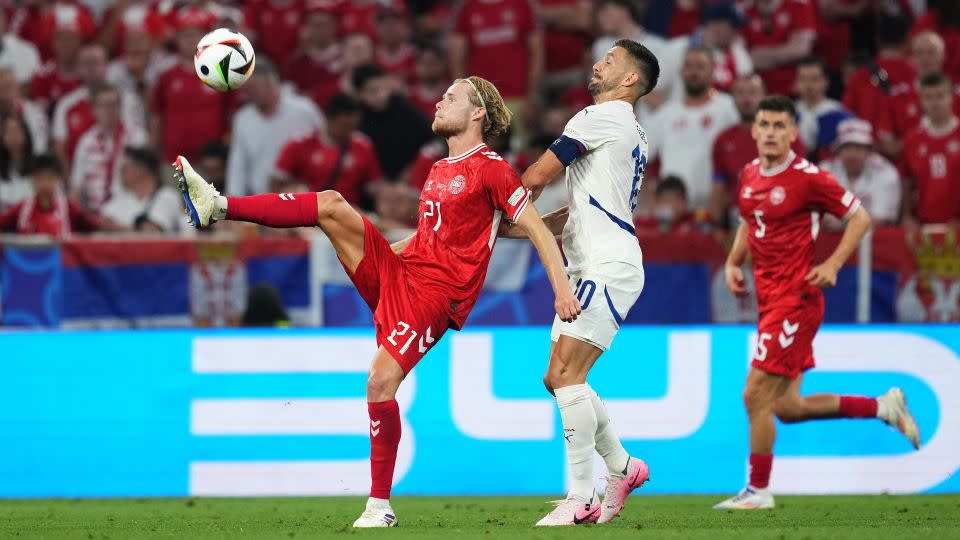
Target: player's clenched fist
pixel 567 306
pixel 822 276
pixel 735 280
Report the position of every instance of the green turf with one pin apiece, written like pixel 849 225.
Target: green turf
pixel 924 516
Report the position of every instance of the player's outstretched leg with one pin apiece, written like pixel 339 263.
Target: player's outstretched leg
pixel 382 382
pixel 624 473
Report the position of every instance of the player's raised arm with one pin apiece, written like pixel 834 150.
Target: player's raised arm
pixel 543 172
pixel 566 304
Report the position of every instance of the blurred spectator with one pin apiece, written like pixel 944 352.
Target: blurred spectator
pixel 429 153
pixel 95 176
pixel 779 33
pixel 568 25
pixel 834 38
pixel 73 115
pixel 502 41
pixel 317 60
pixel 273 25
pixel 144 204
pixel 396 127
pixel 868 92
pixel 53 20
pixel 212 163
pixel 58 75
pixel 619 19
pixel 264 308
pixel 395 209
pixel 17 55
pixel 932 158
pixel 357 51
pixel 273 116
pixel 16 159
pixel 671 209
pixel 394 52
pixel 341 159
pixel 927 56
pixel 142 61
pixel 12 103
pixel 681 133
pixel 125 17
pixel 432 79
pixel 718 33
pixel 733 148
pixel 943 17
pixel 360 15
pixel 187 114
pixel 812 100
pixel 873 179
pixel 673 18
pixel 47 211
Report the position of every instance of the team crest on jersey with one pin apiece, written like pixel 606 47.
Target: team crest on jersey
pixel 777 194
pixel 457 184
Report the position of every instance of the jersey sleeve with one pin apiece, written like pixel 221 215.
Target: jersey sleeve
pixel 804 17
pixel 583 133
pixel 828 195
pixel 506 192
pixel 288 159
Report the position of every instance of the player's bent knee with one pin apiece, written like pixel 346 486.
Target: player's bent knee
pixel 789 412
pixel 329 203
pixel 382 386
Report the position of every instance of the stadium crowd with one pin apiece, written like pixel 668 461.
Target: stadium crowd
pixel 98 96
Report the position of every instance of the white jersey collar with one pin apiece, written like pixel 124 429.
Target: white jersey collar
pixel 779 168
pixel 465 155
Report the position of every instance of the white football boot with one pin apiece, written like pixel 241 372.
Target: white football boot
pixel 894 411
pixel 748 499
pixel 572 511
pixel 378 513
pixel 199 196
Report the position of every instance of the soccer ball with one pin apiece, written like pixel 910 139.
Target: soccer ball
pixel 224 59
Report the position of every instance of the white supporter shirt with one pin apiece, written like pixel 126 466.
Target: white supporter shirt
pixel 730 64
pixel 257 140
pixel 602 186
pixel 20 57
pixel 37 121
pixel 808 119
pixel 118 75
pixel 131 111
pixel 96 164
pixel 164 209
pixel 878 185
pixel 14 188
pixel 682 138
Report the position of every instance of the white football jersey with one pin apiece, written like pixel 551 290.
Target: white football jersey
pixel 603 185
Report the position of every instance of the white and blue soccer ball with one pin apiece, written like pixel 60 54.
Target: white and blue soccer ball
pixel 224 59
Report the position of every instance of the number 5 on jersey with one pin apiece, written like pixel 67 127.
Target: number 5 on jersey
pixel 401 330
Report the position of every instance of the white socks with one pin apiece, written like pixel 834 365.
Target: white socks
pixel 579 429
pixel 220 208
pixel 607 443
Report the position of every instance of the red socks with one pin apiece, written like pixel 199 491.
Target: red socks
pixel 760 465
pixel 384 440
pixel 858 407
pixel 279 210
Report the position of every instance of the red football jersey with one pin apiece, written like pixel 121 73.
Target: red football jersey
pixel 932 158
pixel 865 97
pixel 193 114
pixel 428 155
pixel 496 33
pixel 49 84
pixel 313 159
pixel 309 71
pixel 275 24
pixel 425 99
pixel 461 206
pixel 733 149
pixel 782 209
pixel 399 61
pixel 564 49
pixel 774 29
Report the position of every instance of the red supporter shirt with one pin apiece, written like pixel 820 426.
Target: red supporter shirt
pixel 951 38
pixel 77 118
pixel 425 100
pixel 906 110
pixel 564 48
pixel 496 32
pixel 49 84
pixel 866 99
pixel 782 210
pixel 60 219
pixel 193 114
pixel 429 154
pixel 309 71
pixel 400 61
pixel 932 158
pixel 683 22
pixel 461 206
pixel 774 29
pixel 733 149
pixel 276 24
pixel 361 15
pixel 313 160
pixel 833 37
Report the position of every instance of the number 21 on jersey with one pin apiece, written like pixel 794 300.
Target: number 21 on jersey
pixel 433 208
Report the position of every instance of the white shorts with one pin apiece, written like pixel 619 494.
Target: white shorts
pixel 606 293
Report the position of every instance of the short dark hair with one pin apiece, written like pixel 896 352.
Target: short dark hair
pixel 365 73
pixel 648 62
pixel 265 67
pixel 813 60
pixel 342 104
pixel 892 30
pixel 102 89
pixel 935 79
pixel 778 103
pixel 46 163
pixel 216 149
pixel 671 183
pixel 144 158
pixel 628 5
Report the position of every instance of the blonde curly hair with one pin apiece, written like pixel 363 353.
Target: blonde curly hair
pixel 486 96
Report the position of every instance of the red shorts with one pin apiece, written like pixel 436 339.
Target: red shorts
pixel 785 337
pixel 408 322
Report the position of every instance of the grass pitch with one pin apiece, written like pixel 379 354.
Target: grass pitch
pixel 886 517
